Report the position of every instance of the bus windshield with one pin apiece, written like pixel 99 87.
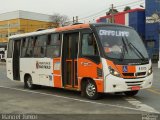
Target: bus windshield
pixel 121 43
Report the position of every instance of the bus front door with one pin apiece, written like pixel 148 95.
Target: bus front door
pixel 16 60
pixel 69 60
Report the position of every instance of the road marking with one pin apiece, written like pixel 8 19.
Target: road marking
pixel 155 88
pixel 153 91
pixel 141 106
pixel 86 101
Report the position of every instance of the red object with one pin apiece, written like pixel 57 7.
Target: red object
pixel 119 17
pixel 135 88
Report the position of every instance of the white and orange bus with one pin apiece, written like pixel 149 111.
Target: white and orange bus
pixel 91 58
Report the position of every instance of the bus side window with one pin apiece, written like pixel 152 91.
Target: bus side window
pixel 29 47
pixel 10 49
pixel 40 46
pixel 89 46
pixel 24 47
pixel 53 46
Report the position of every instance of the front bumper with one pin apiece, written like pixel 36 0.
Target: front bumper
pixel 116 84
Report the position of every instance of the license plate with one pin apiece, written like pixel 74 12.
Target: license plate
pixel 135 88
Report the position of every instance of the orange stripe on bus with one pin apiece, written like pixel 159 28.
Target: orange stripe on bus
pixel 131 69
pixel 110 63
pixel 57 74
pixel 119 68
pixel 57 82
pixel 73 27
pixel 87 68
pixel 100 85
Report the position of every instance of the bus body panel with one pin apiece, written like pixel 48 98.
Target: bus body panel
pixel 121 85
pixel 40 69
pixel 57 76
pixel 89 69
pixel 117 84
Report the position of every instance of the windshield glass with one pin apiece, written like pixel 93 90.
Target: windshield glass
pixel 121 43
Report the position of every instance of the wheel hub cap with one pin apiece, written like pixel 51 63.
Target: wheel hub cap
pixel 90 90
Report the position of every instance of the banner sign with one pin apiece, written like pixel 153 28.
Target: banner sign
pixel 155 18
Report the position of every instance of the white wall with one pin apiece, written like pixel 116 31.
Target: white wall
pixel 25 15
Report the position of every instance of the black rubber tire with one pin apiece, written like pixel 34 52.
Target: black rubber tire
pixel 131 93
pixel 90 90
pixel 29 84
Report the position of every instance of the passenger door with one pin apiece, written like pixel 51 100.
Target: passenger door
pixel 69 59
pixel 9 62
pixel 16 60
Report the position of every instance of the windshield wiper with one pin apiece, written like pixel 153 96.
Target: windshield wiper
pixel 123 51
pixel 143 58
pixel 135 49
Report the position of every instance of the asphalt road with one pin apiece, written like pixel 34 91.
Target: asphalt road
pixel 51 103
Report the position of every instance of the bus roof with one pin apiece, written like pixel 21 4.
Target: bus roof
pixel 109 24
pixel 72 27
pixel 32 33
pixel 66 28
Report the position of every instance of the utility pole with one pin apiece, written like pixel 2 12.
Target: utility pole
pixel 112 14
pixel 73 20
pixel 76 19
pixel 8 28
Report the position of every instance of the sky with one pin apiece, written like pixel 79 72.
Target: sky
pixel 84 9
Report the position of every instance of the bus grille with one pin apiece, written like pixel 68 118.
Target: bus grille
pixel 138 74
pixel 134 83
pixel 128 74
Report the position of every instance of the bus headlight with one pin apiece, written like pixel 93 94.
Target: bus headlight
pixel 113 72
pixel 150 71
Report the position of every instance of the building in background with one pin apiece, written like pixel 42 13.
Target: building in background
pixel 152 27
pixel 18 22
pixel 145 21
pixel 152 30
pixel 133 18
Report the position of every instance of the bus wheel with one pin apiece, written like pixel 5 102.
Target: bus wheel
pixel 131 93
pixel 28 83
pixel 91 90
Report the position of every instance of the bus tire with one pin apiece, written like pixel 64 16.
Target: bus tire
pixel 131 93
pixel 28 83
pixel 90 90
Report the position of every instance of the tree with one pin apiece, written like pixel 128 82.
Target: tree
pixel 127 8
pixel 61 20
pixel 114 11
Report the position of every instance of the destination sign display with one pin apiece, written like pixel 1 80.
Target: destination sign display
pixel 117 33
